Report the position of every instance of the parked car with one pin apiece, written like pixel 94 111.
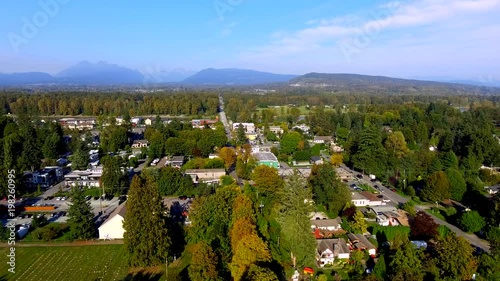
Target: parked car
pixel 359 176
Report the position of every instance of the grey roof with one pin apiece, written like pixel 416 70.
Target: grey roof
pixel 177 158
pixel 326 222
pixel 315 158
pixel 265 156
pixel 337 246
pixel 359 241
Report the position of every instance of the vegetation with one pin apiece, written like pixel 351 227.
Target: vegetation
pixel 146 238
pixel 81 216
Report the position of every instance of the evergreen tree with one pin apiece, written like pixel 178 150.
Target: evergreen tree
pixel 146 237
pixel 80 160
pixel 294 220
pixel 81 223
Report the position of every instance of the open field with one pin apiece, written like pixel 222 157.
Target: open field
pixel 282 110
pixel 101 262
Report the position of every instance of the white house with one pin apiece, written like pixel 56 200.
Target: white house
pixel 359 200
pixel 330 249
pixel 322 139
pixel 326 224
pixel 249 127
pixel 148 121
pixel 112 228
pixel 209 176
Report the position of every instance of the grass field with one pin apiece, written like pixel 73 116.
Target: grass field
pixel 100 262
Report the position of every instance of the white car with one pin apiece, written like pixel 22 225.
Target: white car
pixel 58 198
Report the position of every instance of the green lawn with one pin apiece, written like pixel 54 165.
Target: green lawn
pixel 100 262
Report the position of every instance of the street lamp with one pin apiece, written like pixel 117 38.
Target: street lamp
pixel 166 268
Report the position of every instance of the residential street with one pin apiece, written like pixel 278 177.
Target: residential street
pixel 396 199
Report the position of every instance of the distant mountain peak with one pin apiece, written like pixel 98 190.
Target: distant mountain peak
pixel 235 76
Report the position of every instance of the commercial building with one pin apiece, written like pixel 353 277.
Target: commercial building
pixel 267 158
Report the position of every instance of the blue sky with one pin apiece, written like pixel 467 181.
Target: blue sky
pixel 426 38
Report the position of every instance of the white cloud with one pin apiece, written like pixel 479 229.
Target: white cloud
pixel 414 30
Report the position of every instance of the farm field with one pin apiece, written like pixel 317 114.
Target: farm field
pixel 99 262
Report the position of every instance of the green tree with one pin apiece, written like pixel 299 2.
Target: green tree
pixel 241 137
pixel 471 221
pixel 203 264
pixel 370 155
pixel 267 181
pixel 50 147
pixel 437 188
pixel 146 237
pixel 81 223
pixel 113 178
pixel 156 145
pixel 327 189
pixel 458 186
pixel 290 142
pixel 294 210
pixel 406 263
pixel 358 223
pixel 259 273
pixel 80 160
pixel 455 259
pixel 396 145
pixel 449 160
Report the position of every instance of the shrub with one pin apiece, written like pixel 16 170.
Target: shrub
pixel 450 211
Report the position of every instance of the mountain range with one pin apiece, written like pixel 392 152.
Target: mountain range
pixel 102 73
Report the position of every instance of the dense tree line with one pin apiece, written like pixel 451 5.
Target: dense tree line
pixel 95 104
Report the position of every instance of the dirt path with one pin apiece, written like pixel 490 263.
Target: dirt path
pixel 64 244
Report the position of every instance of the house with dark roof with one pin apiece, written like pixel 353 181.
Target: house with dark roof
pixel 317 160
pixel 360 242
pixel 112 228
pixel 328 250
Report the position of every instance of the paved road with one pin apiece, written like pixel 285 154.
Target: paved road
pixel 396 199
pixel 223 118
pixel 472 238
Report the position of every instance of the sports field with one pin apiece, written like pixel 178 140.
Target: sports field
pixel 96 262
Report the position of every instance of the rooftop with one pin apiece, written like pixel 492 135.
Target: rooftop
pixel 265 156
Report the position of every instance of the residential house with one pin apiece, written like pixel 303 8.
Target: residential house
pixel 326 224
pixel 175 161
pixel 303 128
pixel 261 148
pixel 136 121
pixel 112 228
pixel 208 176
pixel 87 178
pixel 316 160
pixel 276 130
pixel 360 242
pixel 359 200
pixel 322 139
pixel 249 127
pixel 328 250
pixel 267 158
pixel 140 144
pixel 200 124
pixel 387 215
pixel 343 174
pixel 372 199
pixel 492 189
